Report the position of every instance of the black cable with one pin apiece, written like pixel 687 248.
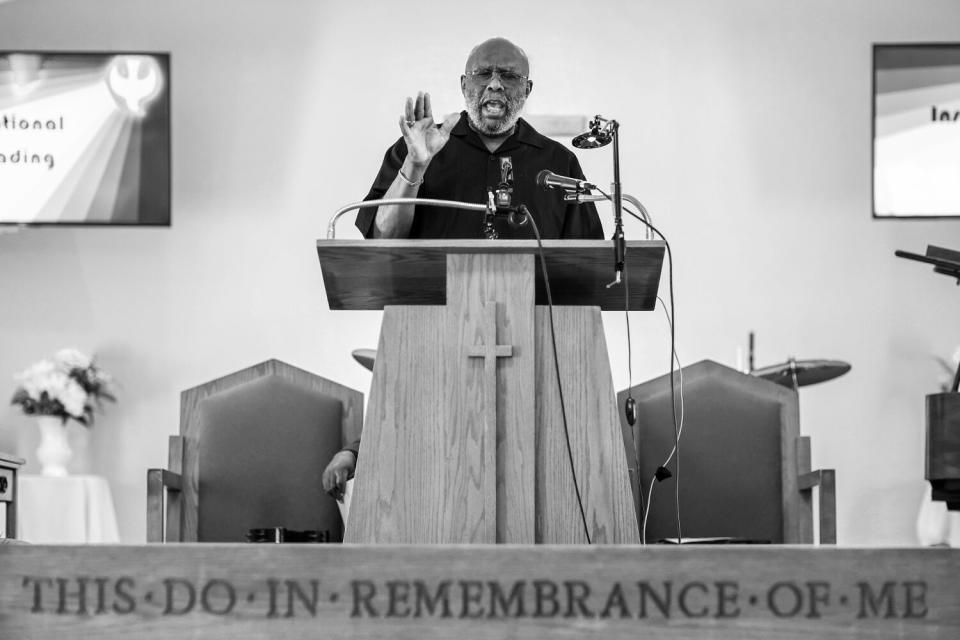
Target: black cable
pixel 633 437
pixel 556 365
pixel 626 312
pixel 673 384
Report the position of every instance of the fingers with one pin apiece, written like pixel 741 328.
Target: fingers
pixel 418 106
pixel 427 111
pixel 334 477
pixel 336 491
pixel 334 482
pixel 418 109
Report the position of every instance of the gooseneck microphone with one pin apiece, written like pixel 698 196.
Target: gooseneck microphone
pixel 548 179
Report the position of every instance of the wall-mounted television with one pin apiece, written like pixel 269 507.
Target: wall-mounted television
pixel 84 138
pixel 916 130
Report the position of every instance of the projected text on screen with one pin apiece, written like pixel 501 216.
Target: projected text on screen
pixel 84 138
pixel 916 141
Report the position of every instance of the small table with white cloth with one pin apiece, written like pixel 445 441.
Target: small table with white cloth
pixel 66 510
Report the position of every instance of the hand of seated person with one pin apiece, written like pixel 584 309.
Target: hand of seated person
pixel 338 471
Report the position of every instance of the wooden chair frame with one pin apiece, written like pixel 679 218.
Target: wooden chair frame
pixel 797 478
pixel 173 493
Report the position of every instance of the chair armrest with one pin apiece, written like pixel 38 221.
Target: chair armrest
pixel 163 478
pixel 159 481
pixel 826 479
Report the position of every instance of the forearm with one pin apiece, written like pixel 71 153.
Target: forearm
pixel 394 221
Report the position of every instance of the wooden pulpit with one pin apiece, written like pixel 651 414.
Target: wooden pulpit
pixel 464 439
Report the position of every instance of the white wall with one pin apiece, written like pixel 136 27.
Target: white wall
pixel 746 132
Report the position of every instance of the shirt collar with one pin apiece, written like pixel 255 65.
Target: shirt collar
pixel 523 134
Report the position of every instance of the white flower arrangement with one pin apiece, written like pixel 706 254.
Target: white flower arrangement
pixel 69 386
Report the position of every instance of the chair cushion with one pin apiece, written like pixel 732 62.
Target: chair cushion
pixel 262 449
pixel 730 457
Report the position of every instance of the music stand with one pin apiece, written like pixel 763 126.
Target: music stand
pixel 945 261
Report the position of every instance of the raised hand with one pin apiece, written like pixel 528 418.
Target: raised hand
pixel 424 139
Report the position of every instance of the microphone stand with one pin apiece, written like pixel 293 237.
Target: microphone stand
pixel 489 208
pixel 619 243
pixel 625 197
pixel 602 132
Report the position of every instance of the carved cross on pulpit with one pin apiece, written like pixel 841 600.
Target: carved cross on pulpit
pixel 490 351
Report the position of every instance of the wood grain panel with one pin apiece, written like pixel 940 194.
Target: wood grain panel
pixel 474 281
pixel 599 459
pixel 464 504
pixel 797 508
pixel 173 527
pixel 399 482
pixel 801 530
pixel 213 591
pixel 828 506
pixel 372 274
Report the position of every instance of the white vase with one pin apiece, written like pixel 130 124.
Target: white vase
pixel 54 451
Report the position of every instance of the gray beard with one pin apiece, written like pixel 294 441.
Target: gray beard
pixel 514 108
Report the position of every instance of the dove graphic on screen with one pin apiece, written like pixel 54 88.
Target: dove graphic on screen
pixel 134 82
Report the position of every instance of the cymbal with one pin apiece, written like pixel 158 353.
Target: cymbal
pixel 365 357
pixel 800 373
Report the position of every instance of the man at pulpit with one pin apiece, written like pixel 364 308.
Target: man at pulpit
pixel 482 147
pixel 459 159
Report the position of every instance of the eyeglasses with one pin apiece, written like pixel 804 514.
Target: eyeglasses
pixel 507 77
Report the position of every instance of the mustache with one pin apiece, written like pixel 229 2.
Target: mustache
pixel 512 103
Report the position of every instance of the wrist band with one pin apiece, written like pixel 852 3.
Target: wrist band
pixel 408 181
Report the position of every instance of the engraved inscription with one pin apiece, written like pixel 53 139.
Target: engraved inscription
pixel 474 599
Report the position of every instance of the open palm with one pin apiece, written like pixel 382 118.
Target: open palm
pixel 423 137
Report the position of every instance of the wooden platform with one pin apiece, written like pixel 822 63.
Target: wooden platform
pixel 340 591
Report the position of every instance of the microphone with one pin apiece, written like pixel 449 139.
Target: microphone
pixel 600 135
pixel 548 179
pixel 592 139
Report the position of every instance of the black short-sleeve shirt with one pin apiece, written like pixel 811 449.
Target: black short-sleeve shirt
pixel 464 169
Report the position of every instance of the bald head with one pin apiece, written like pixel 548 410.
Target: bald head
pixel 498 53
pixel 495 85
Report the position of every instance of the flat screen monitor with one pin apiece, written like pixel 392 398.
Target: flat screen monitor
pixel 916 130
pixel 84 138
